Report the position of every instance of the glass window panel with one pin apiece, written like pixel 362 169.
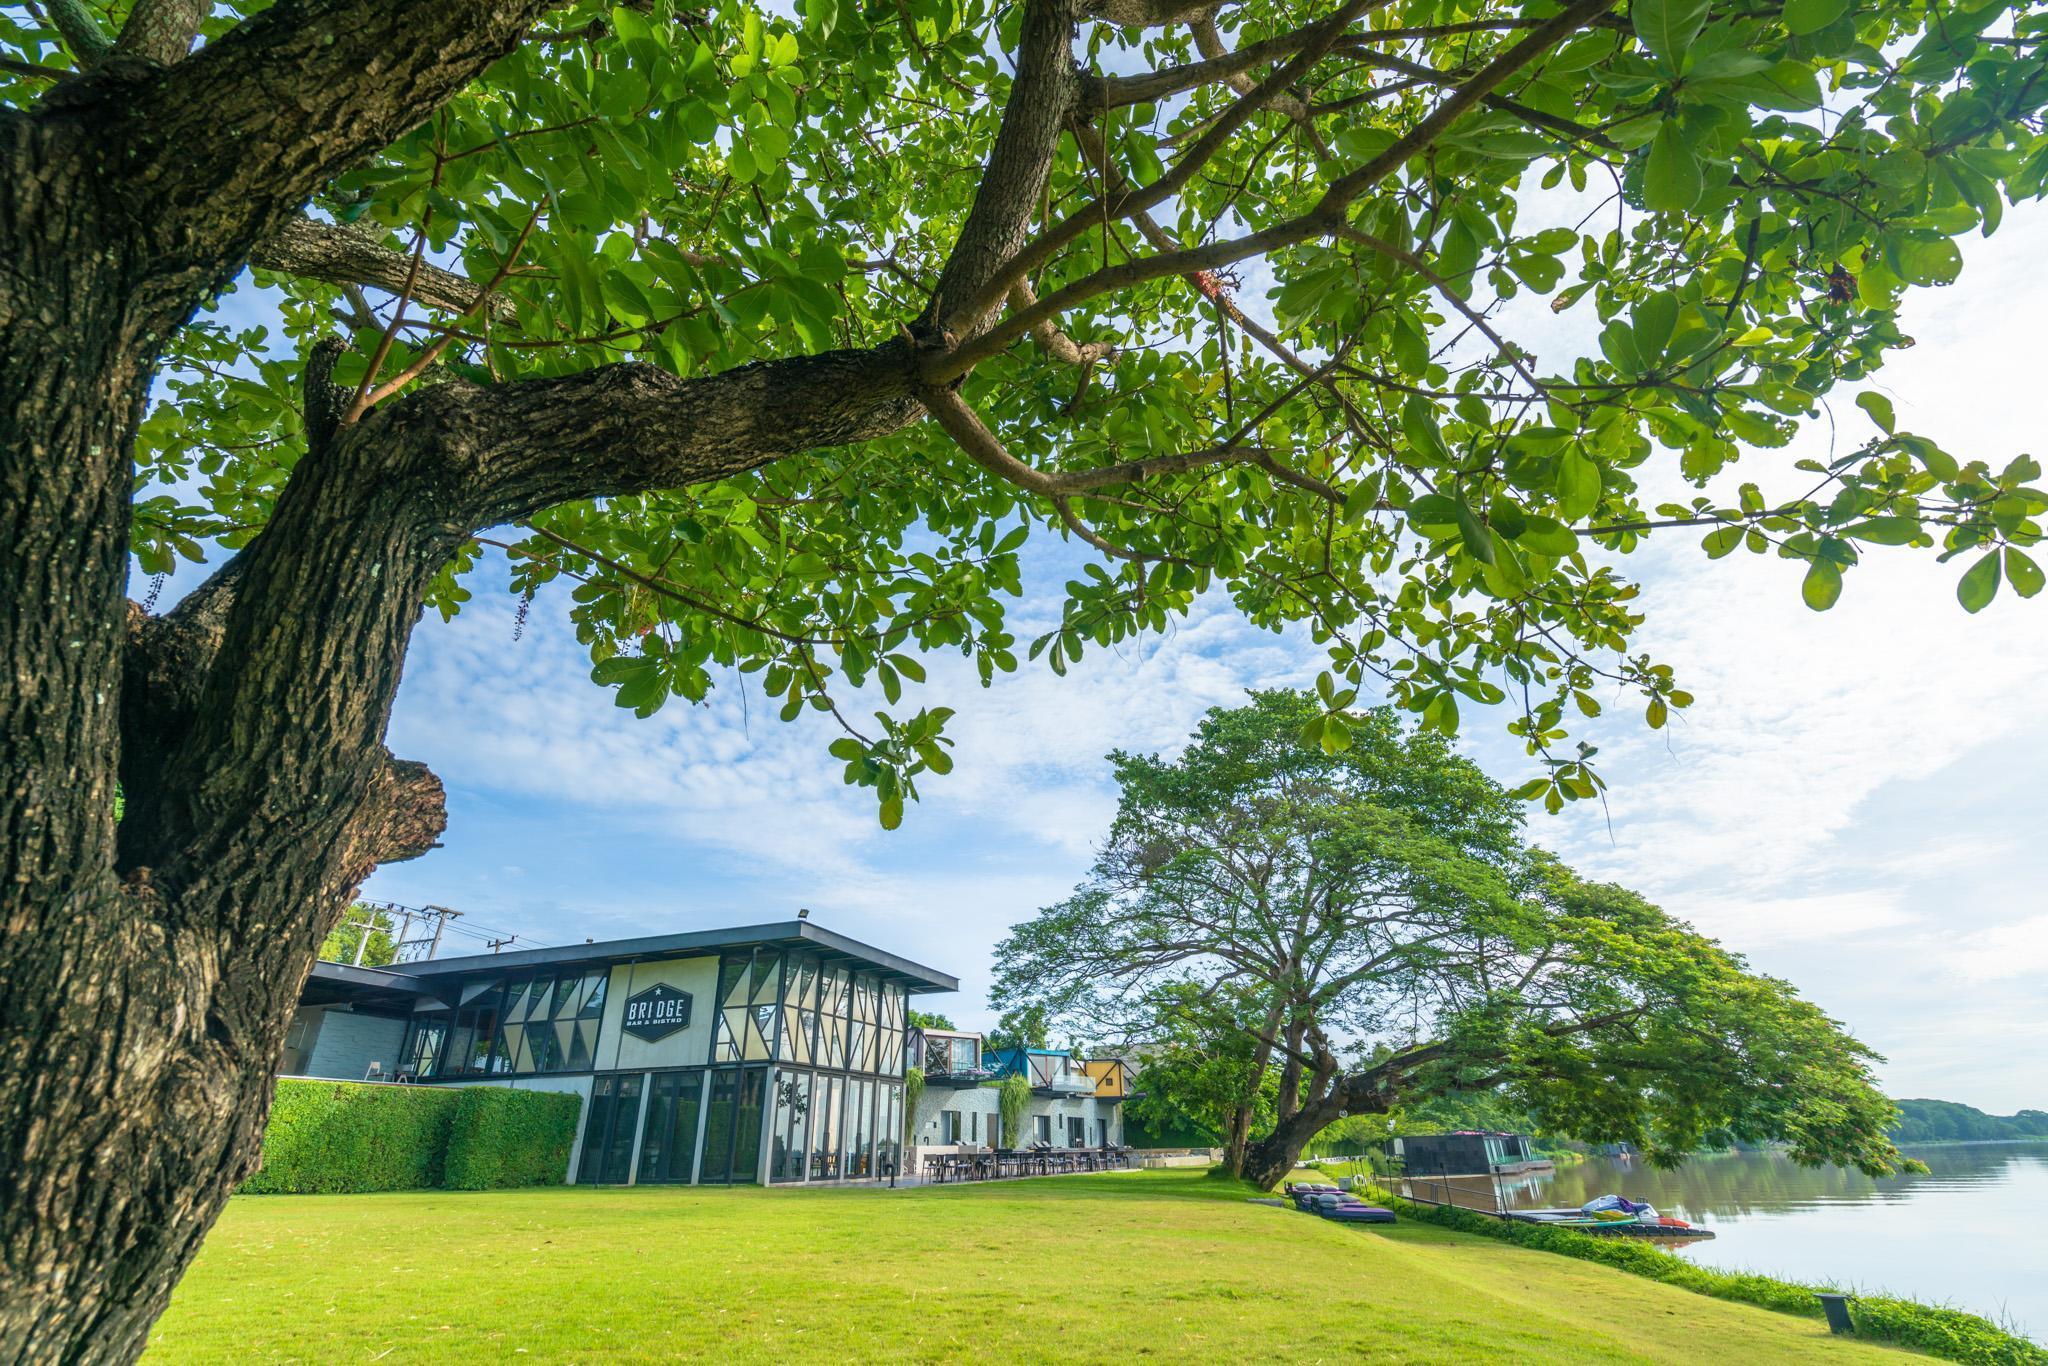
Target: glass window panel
pixel 716 1165
pixel 825 1129
pixel 668 1143
pixel 767 984
pixel 455 1057
pixel 593 994
pixel 746 1144
pixel 858 1129
pixel 608 1132
pixel 732 982
pixel 795 1044
pixel 511 1054
pixel 580 1047
pixel 891 1148
pixel 761 1029
pixel 515 1000
pixel 422 1052
pixel 732 1026
pixel 790 1157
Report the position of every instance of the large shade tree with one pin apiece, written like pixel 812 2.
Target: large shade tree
pixel 775 335
pixel 1366 929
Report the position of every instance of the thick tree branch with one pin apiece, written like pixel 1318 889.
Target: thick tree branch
pixel 208 157
pixel 1056 343
pixel 1198 154
pixel 312 617
pixel 1114 92
pixel 162 31
pixel 1318 222
pixel 1210 43
pixel 1013 182
pixel 1149 13
pixel 80 29
pixel 350 254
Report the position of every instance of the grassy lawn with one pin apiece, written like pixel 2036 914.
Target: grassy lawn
pixel 1164 1264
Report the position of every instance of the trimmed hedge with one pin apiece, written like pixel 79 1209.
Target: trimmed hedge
pixel 506 1138
pixel 1941 1332
pixel 344 1138
pixel 339 1137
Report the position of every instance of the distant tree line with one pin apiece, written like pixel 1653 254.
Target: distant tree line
pixel 1946 1121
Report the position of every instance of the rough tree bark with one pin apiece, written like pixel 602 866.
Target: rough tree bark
pixel 1268 1160
pixel 147 974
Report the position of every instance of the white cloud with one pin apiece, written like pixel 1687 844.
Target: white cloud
pixel 2002 952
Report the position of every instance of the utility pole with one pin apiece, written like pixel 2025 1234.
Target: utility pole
pixel 363 931
pixel 442 915
pixel 405 947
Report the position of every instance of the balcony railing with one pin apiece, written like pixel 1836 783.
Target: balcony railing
pixel 963 1076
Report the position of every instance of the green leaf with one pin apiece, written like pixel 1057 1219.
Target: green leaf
pixel 1672 179
pixel 1433 514
pixel 1979 584
pixel 1578 485
pixel 1418 422
pixel 1823 585
pixel 2022 573
pixel 1884 530
pixel 1722 541
pixel 891 812
pixel 1546 536
pixel 1880 409
pixel 1667 27
pixel 1811 16
pixel 1475 535
pixel 1651 321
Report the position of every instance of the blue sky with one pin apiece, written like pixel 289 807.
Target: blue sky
pixel 1855 801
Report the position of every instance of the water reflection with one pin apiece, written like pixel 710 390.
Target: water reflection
pixel 1969 1233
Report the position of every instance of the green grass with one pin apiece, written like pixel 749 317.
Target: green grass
pixel 1168 1264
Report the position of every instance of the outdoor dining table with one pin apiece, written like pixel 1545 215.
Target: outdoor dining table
pixel 1000 1163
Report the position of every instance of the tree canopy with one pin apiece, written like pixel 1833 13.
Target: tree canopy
pixel 1367 930
pixel 1263 252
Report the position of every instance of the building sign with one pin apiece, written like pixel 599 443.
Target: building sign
pixel 657 1012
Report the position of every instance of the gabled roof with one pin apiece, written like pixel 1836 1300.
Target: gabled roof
pixel 430 976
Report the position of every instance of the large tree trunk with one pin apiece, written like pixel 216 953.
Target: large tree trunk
pixel 142 1000
pixel 1373 1091
pixel 1267 1161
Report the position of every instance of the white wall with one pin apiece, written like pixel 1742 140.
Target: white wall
pixel 617 1050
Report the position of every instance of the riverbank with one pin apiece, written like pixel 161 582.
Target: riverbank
pixel 1090 1268
pixel 1965 1233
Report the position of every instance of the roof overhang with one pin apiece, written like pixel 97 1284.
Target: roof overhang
pixel 341 984
pixel 915 978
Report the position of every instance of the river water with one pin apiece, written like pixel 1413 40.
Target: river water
pixel 1972 1233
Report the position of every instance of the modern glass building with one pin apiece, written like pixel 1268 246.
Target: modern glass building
pixel 768 1053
